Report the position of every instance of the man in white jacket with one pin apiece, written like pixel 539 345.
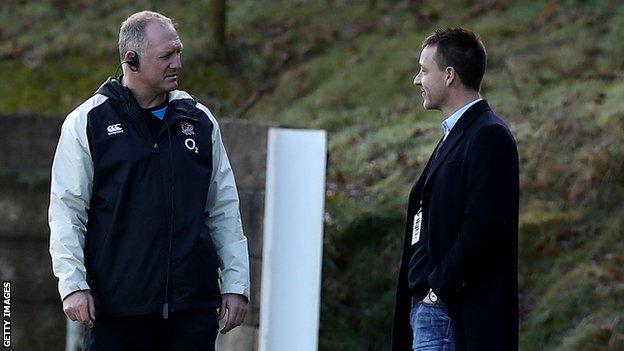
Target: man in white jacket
pixel 146 237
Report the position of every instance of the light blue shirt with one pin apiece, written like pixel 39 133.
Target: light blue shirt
pixel 160 113
pixel 450 122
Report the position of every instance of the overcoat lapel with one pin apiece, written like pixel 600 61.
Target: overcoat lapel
pixel 425 172
pixel 456 134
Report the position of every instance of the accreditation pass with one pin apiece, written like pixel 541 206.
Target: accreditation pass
pixel 416 227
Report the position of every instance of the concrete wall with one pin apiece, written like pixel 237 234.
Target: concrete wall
pixel 27 146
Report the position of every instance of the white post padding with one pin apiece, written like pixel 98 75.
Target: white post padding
pixel 293 240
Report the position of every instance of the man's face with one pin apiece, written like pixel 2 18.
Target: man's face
pixel 431 80
pixel 160 67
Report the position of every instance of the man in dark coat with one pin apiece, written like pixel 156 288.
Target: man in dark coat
pixel 458 281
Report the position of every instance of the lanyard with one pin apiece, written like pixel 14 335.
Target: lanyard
pixel 428 168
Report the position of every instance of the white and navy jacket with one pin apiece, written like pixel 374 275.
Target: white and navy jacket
pixel 145 222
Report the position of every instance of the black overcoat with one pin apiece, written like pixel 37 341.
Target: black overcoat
pixel 470 231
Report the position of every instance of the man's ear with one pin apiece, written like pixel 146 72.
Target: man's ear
pixel 450 76
pixel 132 59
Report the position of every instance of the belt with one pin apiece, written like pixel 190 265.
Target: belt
pixel 432 299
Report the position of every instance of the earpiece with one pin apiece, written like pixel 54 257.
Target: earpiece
pixel 133 62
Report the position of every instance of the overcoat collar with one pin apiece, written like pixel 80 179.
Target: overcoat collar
pixel 456 134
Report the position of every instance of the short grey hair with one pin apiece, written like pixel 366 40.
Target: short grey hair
pixel 132 34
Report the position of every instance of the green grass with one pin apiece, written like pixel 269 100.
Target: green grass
pixel 555 74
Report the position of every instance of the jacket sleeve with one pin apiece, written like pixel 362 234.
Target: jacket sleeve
pixel 70 194
pixel 222 216
pixel 492 195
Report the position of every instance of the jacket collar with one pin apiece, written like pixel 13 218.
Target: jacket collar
pixel 456 134
pixel 184 109
pixel 182 104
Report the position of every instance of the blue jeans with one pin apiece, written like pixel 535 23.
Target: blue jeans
pixel 432 326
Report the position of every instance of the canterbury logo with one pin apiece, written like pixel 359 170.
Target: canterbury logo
pixel 114 129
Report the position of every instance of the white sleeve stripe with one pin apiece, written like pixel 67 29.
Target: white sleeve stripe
pixel 222 205
pixel 70 195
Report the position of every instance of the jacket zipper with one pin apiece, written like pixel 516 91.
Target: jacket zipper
pixel 165 310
